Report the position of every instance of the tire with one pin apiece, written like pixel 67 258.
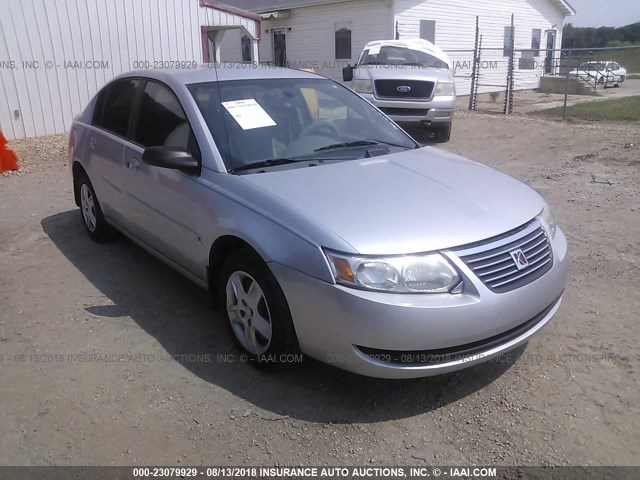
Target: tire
pixel 442 134
pixel 91 212
pixel 261 323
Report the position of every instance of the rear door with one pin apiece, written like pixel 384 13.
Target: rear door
pixel 105 142
pixel 163 203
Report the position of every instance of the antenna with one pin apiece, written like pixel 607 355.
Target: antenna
pixel 222 109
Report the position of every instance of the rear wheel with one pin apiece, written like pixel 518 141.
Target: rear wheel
pixel 91 212
pixel 442 134
pixel 256 309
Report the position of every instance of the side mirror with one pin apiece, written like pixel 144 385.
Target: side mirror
pixel 347 73
pixel 171 157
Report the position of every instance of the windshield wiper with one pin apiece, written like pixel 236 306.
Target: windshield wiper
pixel 264 163
pixel 360 143
pixel 284 161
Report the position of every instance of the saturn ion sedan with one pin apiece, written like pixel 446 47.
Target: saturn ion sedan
pixel 316 223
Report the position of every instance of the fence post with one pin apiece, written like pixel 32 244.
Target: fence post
pixel 566 91
pixel 508 94
pixel 474 69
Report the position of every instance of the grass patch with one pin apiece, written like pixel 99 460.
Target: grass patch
pixel 633 76
pixel 620 109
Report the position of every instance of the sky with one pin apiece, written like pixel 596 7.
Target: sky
pixel 607 13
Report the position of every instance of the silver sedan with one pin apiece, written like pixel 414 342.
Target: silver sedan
pixel 316 223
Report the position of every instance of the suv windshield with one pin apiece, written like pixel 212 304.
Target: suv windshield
pixel 391 55
pixel 269 122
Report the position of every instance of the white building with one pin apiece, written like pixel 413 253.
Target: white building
pixel 328 34
pixel 56 54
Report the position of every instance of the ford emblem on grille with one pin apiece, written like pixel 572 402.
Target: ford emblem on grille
pixel 404 88
pixel 520 259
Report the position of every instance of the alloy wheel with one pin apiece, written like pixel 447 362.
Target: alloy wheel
pixel 248 313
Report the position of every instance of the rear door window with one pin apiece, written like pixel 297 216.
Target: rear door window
pixel 114 106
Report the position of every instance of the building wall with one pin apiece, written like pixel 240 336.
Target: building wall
pixel 59 37
pixel 311 38
pixel 231 46
pixel 455 30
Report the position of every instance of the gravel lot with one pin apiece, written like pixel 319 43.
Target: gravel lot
pixel 69 306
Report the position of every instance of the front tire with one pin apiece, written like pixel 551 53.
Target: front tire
pixel 256 309
pixel 442 134
pixel 91 212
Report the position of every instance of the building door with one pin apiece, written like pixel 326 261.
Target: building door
pixel 551 44
pixel 280 48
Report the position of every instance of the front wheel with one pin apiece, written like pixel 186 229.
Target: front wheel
pixel 256 309
pixel 442 134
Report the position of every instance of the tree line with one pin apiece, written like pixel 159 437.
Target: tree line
pixel 591 37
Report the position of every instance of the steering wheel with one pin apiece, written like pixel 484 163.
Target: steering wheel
pixel 319 127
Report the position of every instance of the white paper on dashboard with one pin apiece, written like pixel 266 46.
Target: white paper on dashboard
pixel 375 50
pixel 249 114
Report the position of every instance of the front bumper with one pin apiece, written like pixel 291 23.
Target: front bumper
pixel 410 335
pixel 437 111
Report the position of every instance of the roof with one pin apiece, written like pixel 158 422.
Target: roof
pixel 565 7
pixel 222 72
pixel 234 10
pixel 262 6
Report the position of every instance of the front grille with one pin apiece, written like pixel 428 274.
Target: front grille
pixel 459 352
pixel 417 89
pixel 408 112
pixel 496 267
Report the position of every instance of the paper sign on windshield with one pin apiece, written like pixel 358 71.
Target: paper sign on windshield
pixel 249 114
pixel 375 50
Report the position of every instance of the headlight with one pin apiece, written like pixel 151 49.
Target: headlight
pixel 363 86
pixel 445 89
pixel 429 273
pixel 547 219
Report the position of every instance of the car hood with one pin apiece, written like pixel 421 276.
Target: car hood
pixel 387 72
pixel 415 201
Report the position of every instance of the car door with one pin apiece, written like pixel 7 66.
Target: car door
pixel 104 150
pixel 162 202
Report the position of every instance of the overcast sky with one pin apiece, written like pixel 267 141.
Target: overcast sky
pixel 608 13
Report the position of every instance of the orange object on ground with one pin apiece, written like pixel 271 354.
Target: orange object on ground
pixel 8 159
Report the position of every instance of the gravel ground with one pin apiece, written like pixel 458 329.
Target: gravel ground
pixel 38 154
pixel 69 305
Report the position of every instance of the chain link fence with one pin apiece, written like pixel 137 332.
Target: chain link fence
pixel 505 79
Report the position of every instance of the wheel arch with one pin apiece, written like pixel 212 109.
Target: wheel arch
pixel 220 250
pixel 77 171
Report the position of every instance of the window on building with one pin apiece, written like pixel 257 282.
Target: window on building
pixel 246 48
pixel 527 60
pixel 343 44
pixel 536 35
pixel 508 39
pixel 428 30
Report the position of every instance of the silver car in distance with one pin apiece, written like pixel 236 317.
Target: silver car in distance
pixel 317 224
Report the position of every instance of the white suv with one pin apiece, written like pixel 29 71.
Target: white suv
pixel 409 80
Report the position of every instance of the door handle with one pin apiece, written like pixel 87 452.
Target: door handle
pixel 93 142
pixel 133 164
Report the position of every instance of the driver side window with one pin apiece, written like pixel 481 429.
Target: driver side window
pixel 162 121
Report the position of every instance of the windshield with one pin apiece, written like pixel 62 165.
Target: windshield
pixel 390 55
pixel 277 121
pixel 592 66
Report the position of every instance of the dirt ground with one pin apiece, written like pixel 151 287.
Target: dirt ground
pixel 109 357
